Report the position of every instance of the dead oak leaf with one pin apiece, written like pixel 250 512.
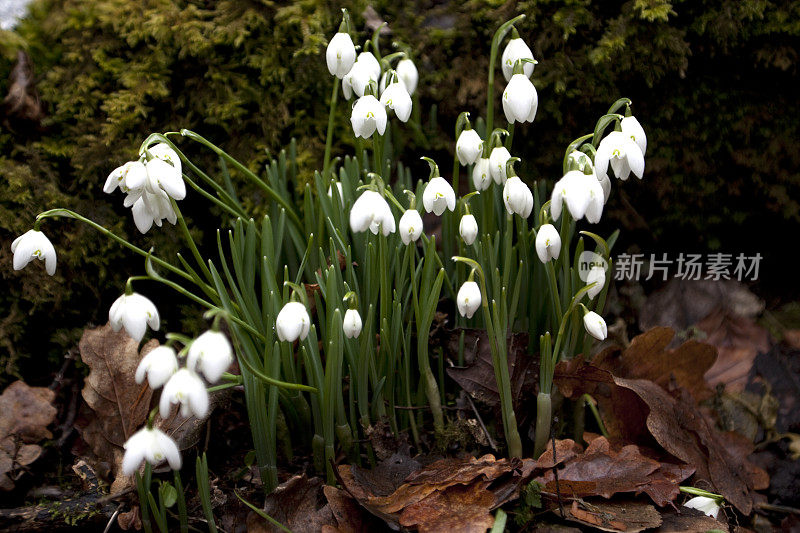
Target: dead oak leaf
pixel 630 517
pixel 299 504
pixel 738 341
pixel 464 508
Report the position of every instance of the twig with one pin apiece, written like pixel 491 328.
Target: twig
pixel 480 421
pixel 555 466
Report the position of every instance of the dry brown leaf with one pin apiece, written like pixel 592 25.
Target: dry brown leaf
pixel 648 357
pixel 464 508
pixel 25 413
pixel 686 519
pixel 120 405
pixel 298 504
pixel 738 340
pixel 630 517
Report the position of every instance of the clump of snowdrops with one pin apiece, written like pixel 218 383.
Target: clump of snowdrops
pixel 329 312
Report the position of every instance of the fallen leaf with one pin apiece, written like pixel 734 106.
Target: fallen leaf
pixel 299 504
pixel 648 357
pixel 630 516
pixel 25 413
pixel 687 519
pixel 130 519
pixel 349 516
pixel 738 341
pixel 464 508
pixel 119 404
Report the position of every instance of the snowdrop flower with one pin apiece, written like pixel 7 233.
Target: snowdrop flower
pixel 597 198
pixel 595 325
pixel 340 55
pixel 134 312
pixel 365 70
pixel 515 50
pixel 187 389
pixel 520 100
pixel 571 189
pixel 497 164
pixel 351 324
pixel 631 128
pixel 597 275
pixel 368 115
pixel 292 322
pixel 548 243
pixel 150 208
pixel 622 152
pixel 578 160
pixel 371 211
pixel 210 353
pixel 438 196
pixel 131 175
pixel 468 299
pixel 158 366
pixel 468 228
pixel 164 173
pixel 517 197
pixel 469 147
pixel 481 174
pixel 709 506
pixel 410 226
pixel 34 244
pixel 408 74
pixel 338 189
pixel 151 445
pixel 396 97
pixel 605 184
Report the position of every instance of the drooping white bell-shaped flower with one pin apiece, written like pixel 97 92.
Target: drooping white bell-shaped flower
pixel 469 147
pixel 340 55
pixel 597 198
pixel 596 275
pixel 408 74
pixel 396 97
pixel 482 174
pixel 34 244
pixel 709 506
pixel 131 175
pixel 351 324
pixel 134 312
pixel 632 129
pixel 151 208
pixel 548 243
pixel 365 70
pixel 151 445
pixel 497 164
pixel 595 325
pixel 517 197
pixel 367 116
pixel 371 211
pixel 410 226
pixel 210 354
pixel 605 184
pixel 520 100
pixel 158 366
pixel 622 153
pixel 438 196
pixel 468 299
pixel 571 189
pixel 468 228
pixel 292 322
pixel 187 389
pixel 515 50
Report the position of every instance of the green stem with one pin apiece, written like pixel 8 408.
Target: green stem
pixel 331 120
pixel 190 241
pixel 544 417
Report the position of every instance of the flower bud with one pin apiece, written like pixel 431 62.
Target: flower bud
pixel 548 243
pixel 371 211
pixel 595 325
pixel 481 174
pixel 210 353
pixel 520 100
pixel 469 147
pixel 497 164
pixel 34 244
pixel 438 196
pixel 597 275
pixel 351 324
pixel 340 55
pixel 292 322
pixel 706 505
pixel 134 312
pixel 468 299
pixel 515 50
pixel 468 228
pixel 158 365
pixel 396 97
pixel 410 226
pixel 517 197
pixel 408 74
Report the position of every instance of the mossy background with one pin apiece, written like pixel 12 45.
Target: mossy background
pixel 713 82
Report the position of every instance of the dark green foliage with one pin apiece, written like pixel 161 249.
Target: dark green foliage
pixel 712 82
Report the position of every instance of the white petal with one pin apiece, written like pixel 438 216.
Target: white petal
pixel 481 174
pixel 142 216
pixel 407 72
pixel 635 159
pixel 633 130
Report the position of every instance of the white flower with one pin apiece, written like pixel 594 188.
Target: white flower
pixel 151 445
pixel 469 147
pixel 365 70
pixel 34 244
pixel 340 55
pixel 369 60
pixel 605 184
pixel 410 226
pixel 134 312
pixel 151 208
pixel 158 365
pixel 211 354
pixel 572 189
pixel 293 322
pixel 597 274
pixel 497 164
pixel 468 228
pixel 131 175
pixel 368 115
pixel 351 324
pixel 438 196
pixel 597 198
pixel 709 506
pixel 578 160
pixel 396 97
pixel 517 197
pixel 548 243
pixel 371 211
pixel 407 72
pixel 187 389
pixel 482 174
pixel 520 100
pixel 468 299
pixel 515 50
pixel 631 128
pixel 595 325
pixel 622 152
